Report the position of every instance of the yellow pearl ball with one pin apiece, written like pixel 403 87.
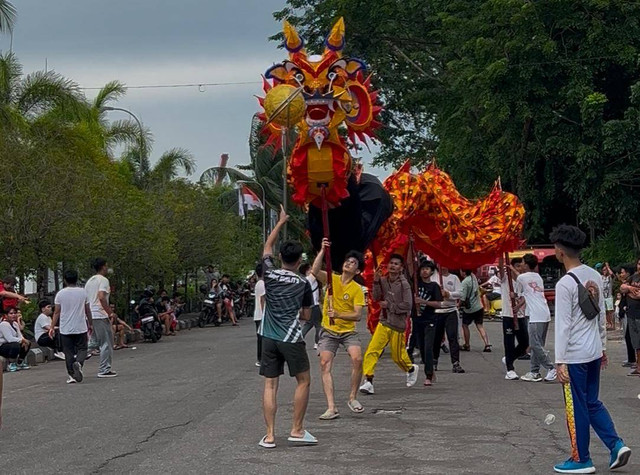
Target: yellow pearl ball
pixel 286 116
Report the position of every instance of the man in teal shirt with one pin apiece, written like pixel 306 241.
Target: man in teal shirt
pixel 472 311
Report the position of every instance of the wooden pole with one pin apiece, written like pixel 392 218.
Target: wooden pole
pixel 327 252
pixel 510 282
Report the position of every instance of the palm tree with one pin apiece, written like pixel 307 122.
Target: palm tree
pixel 167 167
pixel 25 99
pixel 128 133
pixel 119 132
pixel 7 16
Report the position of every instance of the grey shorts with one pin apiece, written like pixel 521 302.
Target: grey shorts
pixel 331 341
pixel 633 325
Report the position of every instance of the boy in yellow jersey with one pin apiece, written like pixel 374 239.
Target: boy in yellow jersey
pixel 394 295
pixel 339 316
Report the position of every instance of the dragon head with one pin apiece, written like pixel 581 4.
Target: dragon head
pixel 333 88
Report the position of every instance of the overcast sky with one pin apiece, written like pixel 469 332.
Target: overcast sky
pixel 154 42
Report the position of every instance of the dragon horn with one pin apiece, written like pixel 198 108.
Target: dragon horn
pixel 335 39
pixel 292 40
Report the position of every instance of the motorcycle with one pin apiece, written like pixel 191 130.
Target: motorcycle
pixel 149 322
pixel 209 312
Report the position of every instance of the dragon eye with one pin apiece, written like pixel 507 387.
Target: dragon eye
pixel 332 75
pixel 299 77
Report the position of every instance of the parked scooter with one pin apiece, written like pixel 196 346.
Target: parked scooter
pixel 209 312
pixel 149 322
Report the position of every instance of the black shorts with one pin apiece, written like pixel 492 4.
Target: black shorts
pixel 475 317
pixel 275 353
pixel 491 296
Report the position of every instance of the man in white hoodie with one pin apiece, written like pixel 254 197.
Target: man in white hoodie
pixel 580 355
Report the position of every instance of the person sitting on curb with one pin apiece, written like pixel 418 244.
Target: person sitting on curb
pixel 13 345
pixel 165 314
pixel 42 327
pixel 120 328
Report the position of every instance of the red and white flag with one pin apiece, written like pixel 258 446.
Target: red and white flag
pixel 248 198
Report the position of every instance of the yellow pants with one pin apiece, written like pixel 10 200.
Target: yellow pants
pixel 381 338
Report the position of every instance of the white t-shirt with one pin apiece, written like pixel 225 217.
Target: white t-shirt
pixel 41 322
pixel 496 284
pixel 315 288
pixel 507 309
pixel 93 287
pixel 578 340
pixel 259 291
pixel 73 319
pixel 451 283
pixel 533 292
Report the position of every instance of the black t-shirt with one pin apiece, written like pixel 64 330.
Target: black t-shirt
pixel 428 291
pixel 286 293
pixel 633 305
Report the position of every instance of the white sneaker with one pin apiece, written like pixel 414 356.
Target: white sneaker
pixel 70 380
pixel 511 375
pixel 552 374
pixel 532 377
pixel 59 355
pixel 258 364
pixel 367 387
pixel 413 376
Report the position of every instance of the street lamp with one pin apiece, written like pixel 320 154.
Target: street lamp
pixel 142 146
pixel 264 207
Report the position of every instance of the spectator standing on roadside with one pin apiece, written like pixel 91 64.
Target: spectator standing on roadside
pixel 631 289
pixel 624 275
pixel 42 327
pixel 258 308
pixel 8 294
pixel 607 288
pixel 98 291
pixel 72 312
pixel 580 339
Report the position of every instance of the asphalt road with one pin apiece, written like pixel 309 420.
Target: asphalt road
pixel 191 404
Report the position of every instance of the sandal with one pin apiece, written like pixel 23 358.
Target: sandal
pixel 487 349
pixel 355 406
pixel 307 438
pixel 267 445
pixel 329 416
pixel 465 348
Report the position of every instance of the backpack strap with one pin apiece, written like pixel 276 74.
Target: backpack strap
pixel 574 278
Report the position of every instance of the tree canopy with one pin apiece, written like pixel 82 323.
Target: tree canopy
pixel 543 94
pixel 67 196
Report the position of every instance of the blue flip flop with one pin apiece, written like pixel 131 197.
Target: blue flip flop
pixel 307 438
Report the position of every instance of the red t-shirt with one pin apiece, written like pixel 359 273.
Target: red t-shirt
pixel 7 302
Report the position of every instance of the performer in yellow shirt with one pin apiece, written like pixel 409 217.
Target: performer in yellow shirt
pixel 339 316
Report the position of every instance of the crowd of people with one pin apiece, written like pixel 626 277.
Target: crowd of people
pixel 79 323
pixel 288 305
